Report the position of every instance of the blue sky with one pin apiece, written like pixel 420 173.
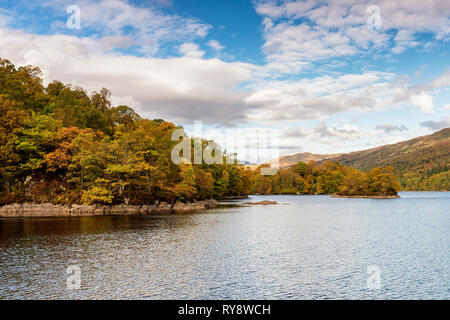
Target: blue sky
pixel 326 76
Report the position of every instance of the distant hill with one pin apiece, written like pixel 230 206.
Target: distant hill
pixel 421 163
pixel 287 161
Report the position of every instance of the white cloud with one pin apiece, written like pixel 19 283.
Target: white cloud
pixel 403 40
pixel 431 15
pixel 177 89
pixel 322 96
pixel 287 44
pixel 191 50
pixel 183 89
pixel 214 44
pixel 442 81
pixel 189 88
pixel 423 101
pixel 150 28
pixel 298 32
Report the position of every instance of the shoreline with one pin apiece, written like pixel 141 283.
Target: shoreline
pixel 367 197
pixel 233 198
pixel 33 210
pixel 338 196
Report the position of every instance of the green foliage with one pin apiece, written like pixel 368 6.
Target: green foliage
pixel 23 86
pixel 36 140
pixel 97 194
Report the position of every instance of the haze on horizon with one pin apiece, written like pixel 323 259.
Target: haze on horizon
pixel 328 76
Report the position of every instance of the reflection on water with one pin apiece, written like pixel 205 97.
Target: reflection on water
pixel 314 248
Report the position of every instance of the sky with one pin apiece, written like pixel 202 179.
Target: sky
pixel 328 76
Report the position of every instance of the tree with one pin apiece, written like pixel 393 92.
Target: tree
pixel 185 189
pixel 37 139
pixel 301 168
pixel 98 193
pixel 12 122
pixel 124 115
pixel 204 183
pixel 22 85
pixel 61 157
pixel 354 183
pixel 89 159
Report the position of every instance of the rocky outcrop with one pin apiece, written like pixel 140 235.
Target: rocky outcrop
pixel 261 203
pixel 50 210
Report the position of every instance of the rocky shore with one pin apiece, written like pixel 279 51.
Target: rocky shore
pixel 30 210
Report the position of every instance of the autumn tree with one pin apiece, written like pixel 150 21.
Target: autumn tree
pixel 12 122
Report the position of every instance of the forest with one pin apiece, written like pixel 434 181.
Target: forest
pixel 328 178
pixel 62 145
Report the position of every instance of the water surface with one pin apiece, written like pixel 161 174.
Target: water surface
pixel 308 247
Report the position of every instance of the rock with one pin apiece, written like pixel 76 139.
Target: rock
pixel 261 203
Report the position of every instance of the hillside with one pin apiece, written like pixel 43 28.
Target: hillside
pixel 287 161
pixel 421 163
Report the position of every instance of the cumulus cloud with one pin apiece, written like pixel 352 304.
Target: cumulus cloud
pixel 297 32
pixel 189 88
pixel 178 89
pixel 322 96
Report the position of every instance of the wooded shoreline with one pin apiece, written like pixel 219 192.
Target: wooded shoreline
pixel 367 197
pixel 30 210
